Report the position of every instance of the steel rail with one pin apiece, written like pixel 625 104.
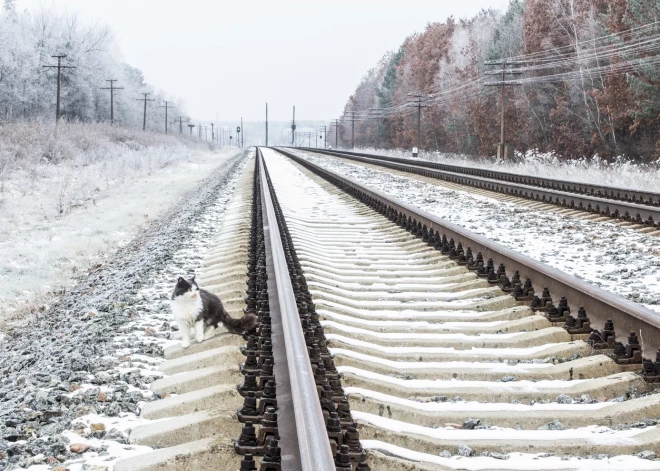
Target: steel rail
pixel 313 447
pixel 629 211
pixel 648 198
pixel 600 305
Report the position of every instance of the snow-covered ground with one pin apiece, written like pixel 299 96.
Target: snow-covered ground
pixel 60 217
pixel 615 258
pixel 73 380
pixel 621 173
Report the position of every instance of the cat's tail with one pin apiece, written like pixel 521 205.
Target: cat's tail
pixel 247 323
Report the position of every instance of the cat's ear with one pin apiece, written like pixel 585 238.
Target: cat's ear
pixel 192 280
pixel 180 281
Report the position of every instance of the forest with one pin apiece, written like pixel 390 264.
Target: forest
pixel 29 39
pixel 582 80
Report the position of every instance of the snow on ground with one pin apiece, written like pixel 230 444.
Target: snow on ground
pixel 79 374
pixel 621 173
pixel 517 461
pixel 57 219
pixel 612 257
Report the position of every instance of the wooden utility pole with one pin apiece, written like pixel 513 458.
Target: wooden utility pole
pixel 324 130
pixel 59 67
pixel 180 118
pixel 166 106
pixel 112 89
pixel 336 125
pixel 144 117
pixel 242 136
pixel 191 126
pixel 378 116
pixel 502 147
pixel 419 105
pixel 352 119
pixel 293 125
pixel 212 133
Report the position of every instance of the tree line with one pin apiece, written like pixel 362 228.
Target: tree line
pixel 585 81
pixel 28 39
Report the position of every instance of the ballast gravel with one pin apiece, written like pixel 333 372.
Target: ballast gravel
pixel 73 378
pixel 604 254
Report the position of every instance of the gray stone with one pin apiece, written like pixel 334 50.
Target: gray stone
pixel 554 425
pixel 469 424
pixel 564 399
pixel 465 450
pixel 587 399
pixel 445 454
pixel 647 455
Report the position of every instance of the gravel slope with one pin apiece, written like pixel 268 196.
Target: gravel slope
pixel 75 344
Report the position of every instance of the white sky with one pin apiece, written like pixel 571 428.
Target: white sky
pixel 231 57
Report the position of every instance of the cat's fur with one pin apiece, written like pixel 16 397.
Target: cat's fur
pixel 195 307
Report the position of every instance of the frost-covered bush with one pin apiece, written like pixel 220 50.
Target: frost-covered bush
pixel 621 172
pixel 75 161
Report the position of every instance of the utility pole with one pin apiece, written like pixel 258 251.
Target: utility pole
pixel 352 119
pixel 212 133
pixel 191 126
pixel 293 125
pixel 502 148
pixel 418 104
pixel 59 67
pixel 377 117
pixel 112 89
pixel 144 118
pixel 242 133
pixel 325 136
pixel 336 125
pixel 181 124
pixel 266 124
pixel 166 107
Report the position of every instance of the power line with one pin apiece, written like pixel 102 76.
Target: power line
pixel 419 105
pixel 112 89
pixel 59 67
pixel 352 118
pixel 180 118
pixel 166 106
pixel 336 125
pixel 144 118
pixel 293 126
pixel 325 136
pixel 502 149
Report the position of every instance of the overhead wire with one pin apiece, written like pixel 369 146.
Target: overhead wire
pixel 624 52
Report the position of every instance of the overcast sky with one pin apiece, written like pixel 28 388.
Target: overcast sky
pixel 231 57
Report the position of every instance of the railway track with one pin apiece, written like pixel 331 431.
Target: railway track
pixel 390 339
pixel 638 207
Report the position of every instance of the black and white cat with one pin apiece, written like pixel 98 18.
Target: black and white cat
pixel 194 307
